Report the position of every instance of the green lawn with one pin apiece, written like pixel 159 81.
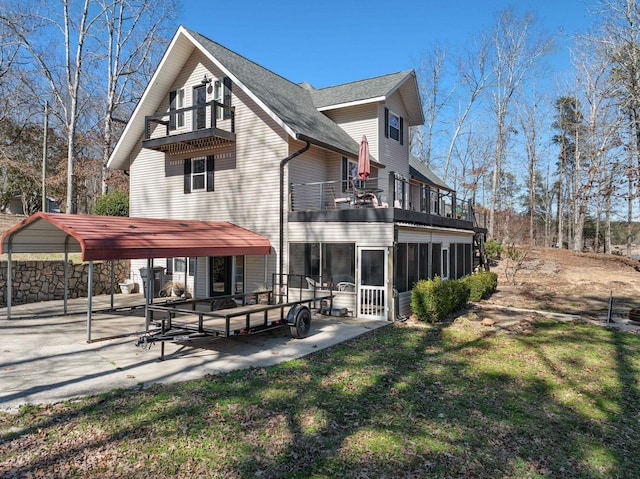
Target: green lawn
pixel 454 400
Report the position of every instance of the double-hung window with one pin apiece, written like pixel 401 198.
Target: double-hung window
pixel 393 126
pixel 176 102
pixel 198 174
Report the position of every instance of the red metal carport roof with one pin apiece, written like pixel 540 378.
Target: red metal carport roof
pixel 114 237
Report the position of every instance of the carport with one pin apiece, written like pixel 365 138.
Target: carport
pixel 115 238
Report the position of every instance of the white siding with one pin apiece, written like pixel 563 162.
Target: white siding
pixel 433 235
pixel 363 234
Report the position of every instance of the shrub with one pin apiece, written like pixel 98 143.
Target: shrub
pixel 115 203
pixel 481 285
pixel 493 250
pixel 434 299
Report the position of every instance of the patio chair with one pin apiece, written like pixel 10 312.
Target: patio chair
pixel 346 286
pixel 313 284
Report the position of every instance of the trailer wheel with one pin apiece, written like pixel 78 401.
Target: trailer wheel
pixel 302 324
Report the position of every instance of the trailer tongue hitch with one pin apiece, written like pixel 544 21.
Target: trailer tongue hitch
pixel 144 342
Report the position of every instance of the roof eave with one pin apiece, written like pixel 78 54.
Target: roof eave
pixel 353 103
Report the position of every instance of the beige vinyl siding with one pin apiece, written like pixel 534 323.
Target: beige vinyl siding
pixel 246 174
pixel 394 155
pixel 309 167
pixel 357 121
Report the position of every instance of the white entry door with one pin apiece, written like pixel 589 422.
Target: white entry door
pixel 372 283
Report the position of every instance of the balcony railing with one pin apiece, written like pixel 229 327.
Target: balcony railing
pixel 399 194
pixel 195 127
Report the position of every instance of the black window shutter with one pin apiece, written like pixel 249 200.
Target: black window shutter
pixel 226 81
pixel 187 176
pixel 401 130
pixel 345 174
pixel 210 164
pixel 172 106
pixel 386 123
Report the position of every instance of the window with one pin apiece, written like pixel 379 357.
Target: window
pixel 409 263
pixel 222 94
pixel 424 272
pixel 217 96
pixel 199 174
pixel 401 268
pixel 393 126
pixel 200 114
pixel 177 265
pixel 445 263
pixel 436 260
pixel 350 175
pixel 239 274
pixel 329 261
pixel 176 102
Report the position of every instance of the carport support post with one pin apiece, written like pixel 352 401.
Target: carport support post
pixel 64 270
pixel 148 295
pixel 9 282
pixel 89 301
pixel 113 275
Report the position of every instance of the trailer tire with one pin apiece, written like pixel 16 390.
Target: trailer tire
pixel 302 324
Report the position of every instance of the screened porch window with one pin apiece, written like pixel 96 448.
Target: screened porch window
pixel 327 261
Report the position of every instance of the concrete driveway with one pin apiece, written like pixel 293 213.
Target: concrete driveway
pixel 46 359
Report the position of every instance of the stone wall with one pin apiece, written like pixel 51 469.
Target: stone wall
pixel 34 281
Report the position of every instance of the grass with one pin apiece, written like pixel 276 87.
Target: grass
pixel 454 400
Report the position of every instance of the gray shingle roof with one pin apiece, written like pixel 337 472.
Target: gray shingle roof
pixel 421 171
pixel 291 103
pixel 358 90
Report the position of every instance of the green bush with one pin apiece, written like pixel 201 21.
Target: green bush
pixel 493 250
pixel 434 299
pixel 481 285
pixel 115 203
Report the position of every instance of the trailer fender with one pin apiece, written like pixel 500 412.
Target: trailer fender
pixel 299 321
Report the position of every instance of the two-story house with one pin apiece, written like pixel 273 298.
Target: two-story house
pixel 216 136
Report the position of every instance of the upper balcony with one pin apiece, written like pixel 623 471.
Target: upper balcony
pixel 400 201
pixel 194 128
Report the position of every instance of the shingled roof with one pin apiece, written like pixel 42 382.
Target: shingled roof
pixel 378 87
pixel 419 170
pixel 291 103
pixel 294 107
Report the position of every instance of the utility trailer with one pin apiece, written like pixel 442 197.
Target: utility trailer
pixel 235 315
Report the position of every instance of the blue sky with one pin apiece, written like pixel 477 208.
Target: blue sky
pixel 331 41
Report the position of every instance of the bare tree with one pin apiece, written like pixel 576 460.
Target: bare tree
pixel 434 99
pixel 68 26
pixel 530 119
pixel 620 37
pixel 89 53
pixel 517 48
pixel 475 79
pixel 134 34
pixel 592 65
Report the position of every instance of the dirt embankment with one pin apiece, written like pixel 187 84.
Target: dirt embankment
pixel 554 279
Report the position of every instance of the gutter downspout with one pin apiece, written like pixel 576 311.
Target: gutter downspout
pixel 283 163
